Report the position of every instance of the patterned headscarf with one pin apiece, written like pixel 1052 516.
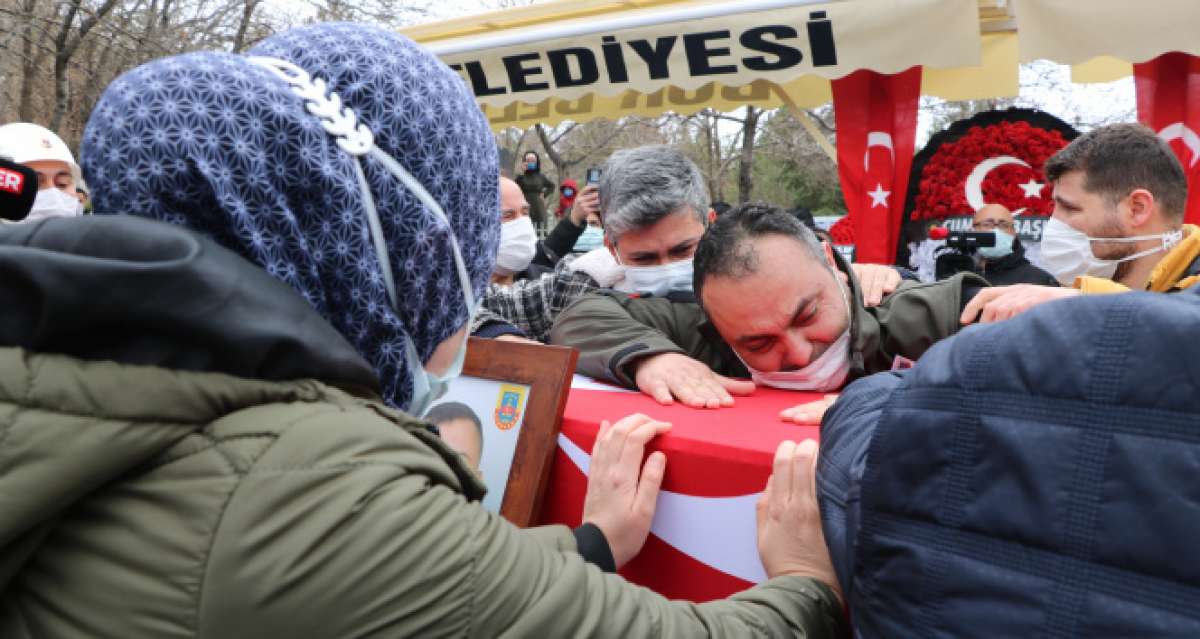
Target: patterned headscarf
pixel 220 144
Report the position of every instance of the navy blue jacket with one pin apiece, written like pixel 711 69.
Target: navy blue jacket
pixel 1039 477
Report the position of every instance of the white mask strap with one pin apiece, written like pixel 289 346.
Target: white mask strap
pixel 356 139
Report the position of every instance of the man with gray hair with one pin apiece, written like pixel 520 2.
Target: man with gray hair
pixel 654 209
pixel 774 304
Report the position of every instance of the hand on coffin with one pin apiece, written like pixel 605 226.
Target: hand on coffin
pixel 670 376
pixel 622 491
pixel 809 414
pixel 790 538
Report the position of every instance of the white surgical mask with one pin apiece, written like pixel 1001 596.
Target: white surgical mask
pixel 357 140
pixel 1067 252
pixel 1003 247
pixel 660 279
pixel 518 242
pixel 824 374
pixel 53 202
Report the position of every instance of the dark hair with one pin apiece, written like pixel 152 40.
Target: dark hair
pixel 726 250
pixel 1119 158
pixel 452 411
pixel 721 208
pixel 535 154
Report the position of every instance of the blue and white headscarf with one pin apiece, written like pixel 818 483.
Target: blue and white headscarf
pixel 221 144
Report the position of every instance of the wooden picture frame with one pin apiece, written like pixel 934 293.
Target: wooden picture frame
pixel 547 371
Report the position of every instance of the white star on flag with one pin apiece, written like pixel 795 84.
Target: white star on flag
pixel 1032 188
pixel 879 196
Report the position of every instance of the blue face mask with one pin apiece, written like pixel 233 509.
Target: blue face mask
pixel 591 239
pixel 1003 247
pixel 532 166
pixel 568 192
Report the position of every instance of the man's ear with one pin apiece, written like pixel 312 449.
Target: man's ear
pixel 612 248
pixel 712 216
pixel 1142 207
pixel 829 255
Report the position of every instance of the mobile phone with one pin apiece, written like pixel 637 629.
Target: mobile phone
pixel 593 176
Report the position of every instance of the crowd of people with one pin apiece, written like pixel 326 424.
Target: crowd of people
pixel 215 393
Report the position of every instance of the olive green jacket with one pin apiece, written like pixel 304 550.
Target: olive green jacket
pixel 614 331
pixel 183 500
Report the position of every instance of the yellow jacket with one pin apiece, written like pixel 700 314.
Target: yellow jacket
pixel 1178 269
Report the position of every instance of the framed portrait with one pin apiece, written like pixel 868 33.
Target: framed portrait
pixel 503 414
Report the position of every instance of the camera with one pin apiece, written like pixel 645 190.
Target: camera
pixel 957 255
pixel 968 241
pixel 593 176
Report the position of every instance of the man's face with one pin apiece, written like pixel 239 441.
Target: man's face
pixel 672 239
pixel 530 159
pixel 994 217
pixel 512 201
pixel 786 313
pixel 53 174
pixel 463 436
pixel 1091 214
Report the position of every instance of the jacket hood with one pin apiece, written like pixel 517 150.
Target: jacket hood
pixel 140 292
pixel 120 337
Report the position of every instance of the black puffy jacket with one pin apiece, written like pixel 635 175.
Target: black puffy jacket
pixel 1036 477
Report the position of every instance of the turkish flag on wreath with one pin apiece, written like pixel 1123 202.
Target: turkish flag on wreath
pixel 1168 101
pixel 876 118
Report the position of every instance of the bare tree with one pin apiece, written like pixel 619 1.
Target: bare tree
pixel 66 43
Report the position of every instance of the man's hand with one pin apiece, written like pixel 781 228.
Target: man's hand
pixel 790 538
pixel 588 201
pixel 1005 302
pixel 876 281
pixel 670 376
pixel 618 502
pixel 809 414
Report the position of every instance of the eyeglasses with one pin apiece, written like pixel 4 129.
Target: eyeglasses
pixel 991 225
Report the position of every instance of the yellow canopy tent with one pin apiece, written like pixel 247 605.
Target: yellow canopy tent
pixel 583 59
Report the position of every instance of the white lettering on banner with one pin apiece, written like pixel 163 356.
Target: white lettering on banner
pixel 771 47
pixel 1028 228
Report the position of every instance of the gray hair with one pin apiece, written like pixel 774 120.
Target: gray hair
pixel 643 185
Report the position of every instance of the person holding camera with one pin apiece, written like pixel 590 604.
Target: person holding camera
pixel 1003 262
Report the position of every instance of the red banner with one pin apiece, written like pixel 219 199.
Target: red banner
pixel 876 117
pixel 1168 101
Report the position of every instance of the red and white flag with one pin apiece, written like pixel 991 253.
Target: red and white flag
pixel 876 117
pixel 1168 101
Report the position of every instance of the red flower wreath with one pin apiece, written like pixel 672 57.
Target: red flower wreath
pixel 842 231
pixel 941 193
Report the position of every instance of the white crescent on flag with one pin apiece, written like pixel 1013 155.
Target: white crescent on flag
pixel 974 183
pixel 1180 131
pixel 720 532
pixel 878 138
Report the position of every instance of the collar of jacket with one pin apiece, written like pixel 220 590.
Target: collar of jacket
pixel 136 291
pixel 1180 267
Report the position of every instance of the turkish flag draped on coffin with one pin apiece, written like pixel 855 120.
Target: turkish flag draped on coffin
pixel 876 118
pixel 1168 101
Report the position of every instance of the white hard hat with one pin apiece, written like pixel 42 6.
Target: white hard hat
pixel 24 142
